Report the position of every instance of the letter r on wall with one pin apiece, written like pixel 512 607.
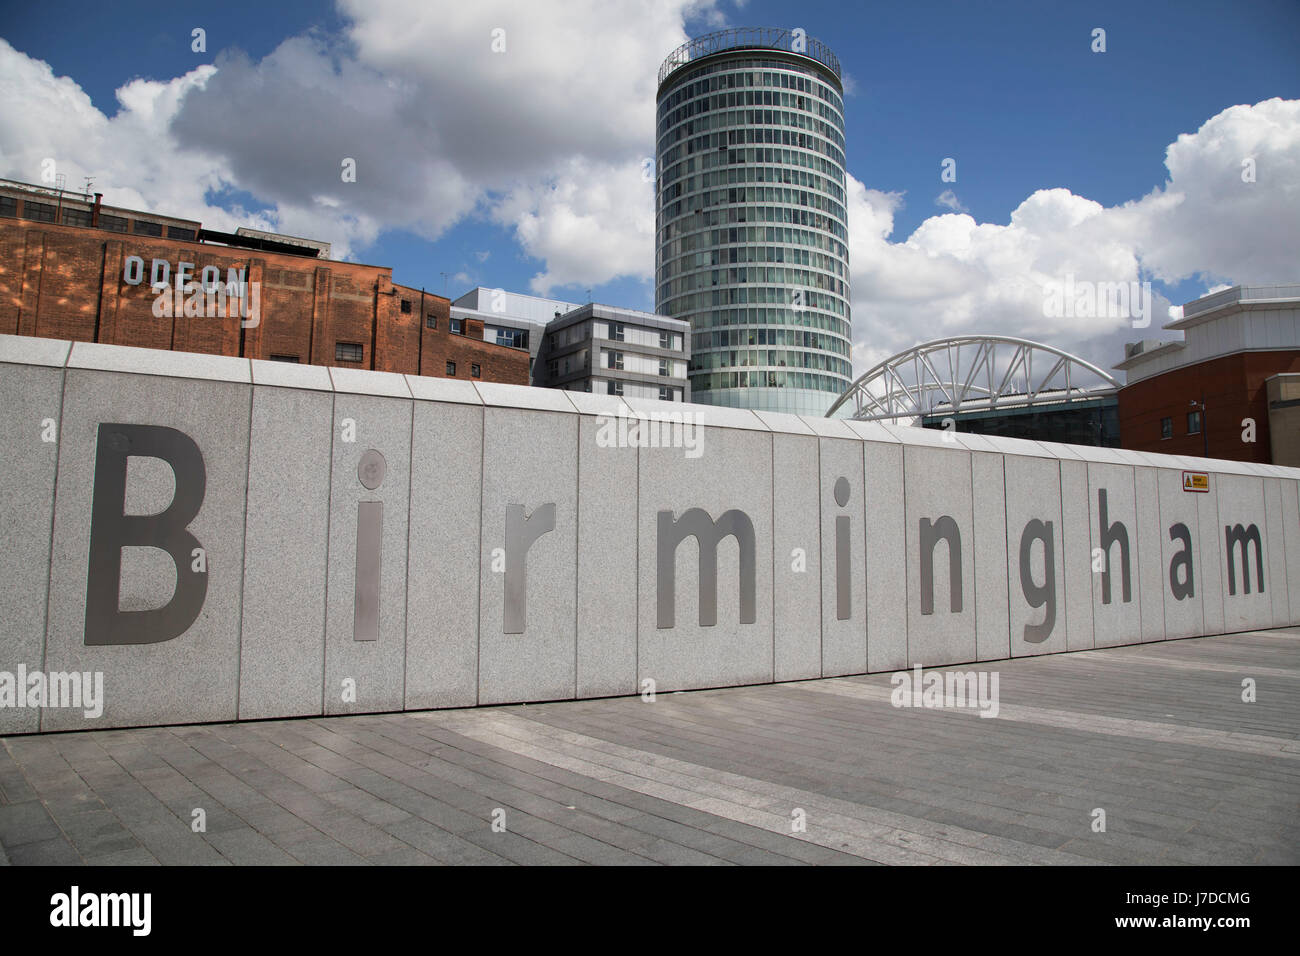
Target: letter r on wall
pixel 521 532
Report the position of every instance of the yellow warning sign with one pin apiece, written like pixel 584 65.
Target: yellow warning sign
pixel 1196 481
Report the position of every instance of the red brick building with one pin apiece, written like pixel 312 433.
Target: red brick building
pixel 1196 396
pixel 90 276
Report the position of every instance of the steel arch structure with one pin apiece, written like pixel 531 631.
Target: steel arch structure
pixel 972 373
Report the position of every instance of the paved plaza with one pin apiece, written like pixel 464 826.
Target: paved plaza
pixel 1156 735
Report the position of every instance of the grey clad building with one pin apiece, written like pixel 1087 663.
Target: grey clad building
pixel 751 226
pixel 585 348
pixel 612 351
pixel 510 318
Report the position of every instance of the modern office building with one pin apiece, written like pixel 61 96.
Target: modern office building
pixel 612 351
pixel 73 268
pixel 591 347
pixel 1209 393
pixel 751 227
pixel 509 318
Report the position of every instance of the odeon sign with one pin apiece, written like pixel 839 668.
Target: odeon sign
pixel 112 530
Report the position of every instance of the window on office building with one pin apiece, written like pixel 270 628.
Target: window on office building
pixel 76 217
pixel 616 331
pixel 616 360
pixel 476 371
pixel 457 326
pixel 665 340
pixel 113 223
pixel 451 368
pixel 1193 423
pixel 38 211
pixel 406 306
pixel 663 367
pixel 431 321
pixel 142 228
pixel 8 206
pixel 515 338
pixel 1166 428
pixel 615 388
pixel 348 352
pixel 180 232
pixel 284 358
pixel 665 393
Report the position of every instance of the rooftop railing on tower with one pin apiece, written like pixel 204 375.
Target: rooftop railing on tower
pixel 750 38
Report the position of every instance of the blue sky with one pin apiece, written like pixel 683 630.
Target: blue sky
pixel 1011 90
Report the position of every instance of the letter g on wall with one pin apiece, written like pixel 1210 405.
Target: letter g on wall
pixel 111 530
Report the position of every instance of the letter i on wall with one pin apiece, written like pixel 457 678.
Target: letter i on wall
pixel 843 555
pixel 370 532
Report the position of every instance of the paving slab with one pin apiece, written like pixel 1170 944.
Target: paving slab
pixel 829 771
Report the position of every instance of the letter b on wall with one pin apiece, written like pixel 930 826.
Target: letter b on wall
pixel 111 530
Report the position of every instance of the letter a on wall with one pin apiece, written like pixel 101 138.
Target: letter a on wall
pixel 111 530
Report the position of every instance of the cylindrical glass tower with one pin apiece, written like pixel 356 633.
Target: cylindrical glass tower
pixel 752 233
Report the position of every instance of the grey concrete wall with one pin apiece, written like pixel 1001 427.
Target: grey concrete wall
pixel 364 541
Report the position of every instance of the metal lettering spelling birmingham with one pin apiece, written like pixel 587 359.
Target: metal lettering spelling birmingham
pixel 111 530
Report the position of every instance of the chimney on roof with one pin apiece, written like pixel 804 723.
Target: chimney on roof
pixel 94 214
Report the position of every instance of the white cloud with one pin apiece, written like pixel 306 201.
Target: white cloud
pixel 953 275
pixel 592 223
pixel 547 139
pixel 438 124
pixel 948 199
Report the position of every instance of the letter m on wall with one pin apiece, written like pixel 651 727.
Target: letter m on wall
pixel 708 533
pixel 1243 537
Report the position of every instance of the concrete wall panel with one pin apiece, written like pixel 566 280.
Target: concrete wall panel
pixel 797 575
pixel 938 496
pixel 282 642
pixel 33 395
pixel 1115 620
pixel 887 596
pixel 1277 588
pixel 365 625
pixel 442 599
pixel 1210 581
pixel 1076 552
pixel 607 550
pixel 193 676
pixel 733 473
pixel 1184 615
pixel 844 579
pixel 992 608
pixel 1241 507
pixel 1149 554
pixel 1291 532
pixel 1035 577
pixel 530 469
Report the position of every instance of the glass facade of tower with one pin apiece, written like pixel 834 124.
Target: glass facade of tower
pixel 752 233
